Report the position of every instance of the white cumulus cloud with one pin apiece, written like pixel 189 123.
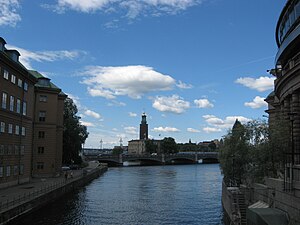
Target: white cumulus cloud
pixel 211 129
pixel 165 129
pixel 192 130
pixel 203 103
pixel 9 13
pixel 88 124
pixel 133 81
pixel 131 114
pixel 258 102
pixel 182 85
pixel 131 130
pixel 216 124
pixel 172 104
pixel 260 84
pixel 92 114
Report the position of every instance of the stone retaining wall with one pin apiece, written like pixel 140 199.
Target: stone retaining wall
pixel 42 199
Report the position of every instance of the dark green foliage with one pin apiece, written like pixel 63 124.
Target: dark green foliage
pixel 251 152
pixel 151 147
pixel 234 154
pixel 117 150
pixel 169 145
pixel 74 134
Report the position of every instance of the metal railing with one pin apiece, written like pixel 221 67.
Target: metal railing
pixel 37 192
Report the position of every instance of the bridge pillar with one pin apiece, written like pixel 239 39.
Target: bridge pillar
pixel 163 160
pixel 120 158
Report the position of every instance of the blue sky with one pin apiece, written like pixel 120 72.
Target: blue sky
pixel 193 66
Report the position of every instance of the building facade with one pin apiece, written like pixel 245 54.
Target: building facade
pixel 20 154
pixel 139 146
pixel 284 101
pixel 144 128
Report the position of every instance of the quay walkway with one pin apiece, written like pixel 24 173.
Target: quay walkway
pixel 21 199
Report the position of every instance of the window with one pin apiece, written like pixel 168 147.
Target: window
pixel 10 128
pixel 16 170
pixel 24 108
pixel 20 83
pixel 4 100
pixel 2 129
pixel 11 103
pixel 40 165
pixel 1 171
pixel 17 131
pixel 16 150
pixel 41 134
pixel 42 116
pixel 40 150
pixel 21 169
pixel 18 106
pixel 13 79
pixel 5 74
pixel 22 150
pixel 9 150
pixel 43 98
pixel 25 86
pixel 23 131
pixel 7 171
pixel 1 149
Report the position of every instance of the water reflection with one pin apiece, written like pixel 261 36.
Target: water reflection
pixel 186 194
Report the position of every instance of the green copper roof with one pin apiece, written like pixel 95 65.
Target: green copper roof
pixel 43 82
pixel 36 74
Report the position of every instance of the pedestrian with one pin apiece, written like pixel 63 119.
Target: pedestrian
pixel 66 175
pixel 71 174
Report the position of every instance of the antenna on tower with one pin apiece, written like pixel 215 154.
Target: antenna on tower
pixel 101 142
pixel 121 142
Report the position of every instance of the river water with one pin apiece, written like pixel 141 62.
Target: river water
pixel 154 195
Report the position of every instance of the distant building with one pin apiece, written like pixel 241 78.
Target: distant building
pixel 138 146
pixel 144 128
pixel 31 119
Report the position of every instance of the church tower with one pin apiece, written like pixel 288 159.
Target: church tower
pixel 144 128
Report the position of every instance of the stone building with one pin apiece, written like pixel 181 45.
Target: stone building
pixel 31 120
pixel 284 101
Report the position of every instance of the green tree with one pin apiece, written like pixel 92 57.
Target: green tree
pixel 169 145
pixel 268 145
pixel 251 152
pixel 234 154
pixel 150 146
pixel 74 134
pixel 117 150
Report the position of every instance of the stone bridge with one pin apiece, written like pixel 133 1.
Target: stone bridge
pixel 161 159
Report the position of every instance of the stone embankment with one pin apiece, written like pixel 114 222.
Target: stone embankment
pixel 23 199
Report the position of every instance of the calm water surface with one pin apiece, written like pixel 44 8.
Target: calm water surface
pixel 185 194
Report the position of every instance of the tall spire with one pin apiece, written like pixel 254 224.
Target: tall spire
pixel 144 128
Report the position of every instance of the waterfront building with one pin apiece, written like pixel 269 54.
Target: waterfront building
pixel 31 119
pixel 144 128
pixel 139 146
pixel 284 101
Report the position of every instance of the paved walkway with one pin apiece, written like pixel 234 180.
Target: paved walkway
pixel 14 195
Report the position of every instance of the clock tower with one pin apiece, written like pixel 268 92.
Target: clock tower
pixel 144 128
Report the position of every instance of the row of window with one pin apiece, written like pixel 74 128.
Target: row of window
pixel 11 170
pixel 14 104
pixel 13 79
pixel 289 19
pixel 17 131
pixel 12 149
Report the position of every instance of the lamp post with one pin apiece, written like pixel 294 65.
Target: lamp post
pixel 292 118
